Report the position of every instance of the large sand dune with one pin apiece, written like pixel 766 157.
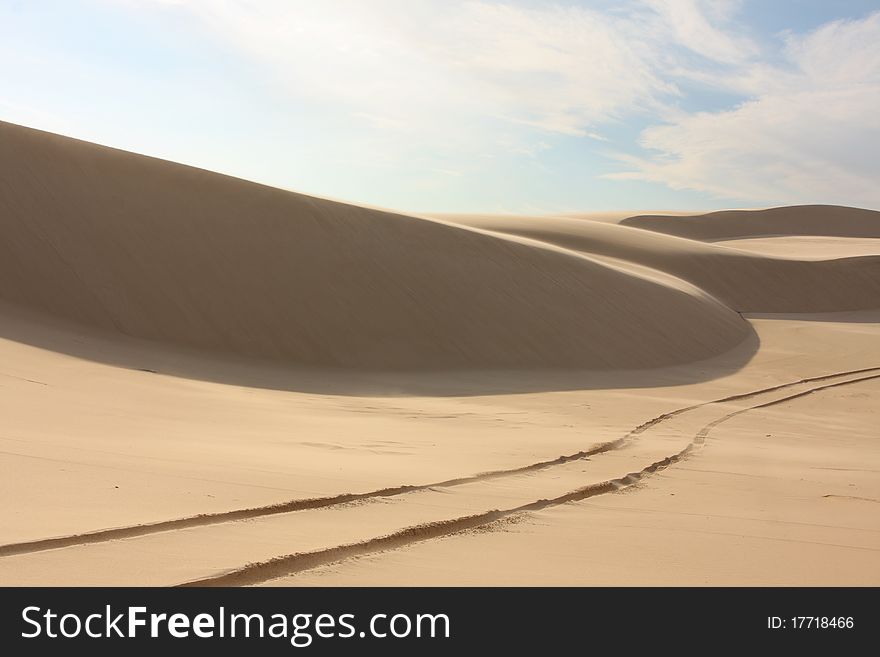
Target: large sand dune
pixel 166 252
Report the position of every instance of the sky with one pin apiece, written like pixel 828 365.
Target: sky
pixel 507 106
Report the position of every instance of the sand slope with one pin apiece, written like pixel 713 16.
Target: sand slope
pixel 167 252
pixel 806 247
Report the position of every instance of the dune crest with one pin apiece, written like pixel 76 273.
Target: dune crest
pixel 745 281
pixel 826 220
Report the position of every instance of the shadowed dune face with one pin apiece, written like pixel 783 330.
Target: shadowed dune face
pixel 170 253
pixel 745 281
pixel 828 220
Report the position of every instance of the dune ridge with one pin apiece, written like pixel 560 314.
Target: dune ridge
pixel 747 282
pixel 825 220
pixel 166 252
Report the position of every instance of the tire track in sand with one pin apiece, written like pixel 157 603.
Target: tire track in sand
pixel 200 520
pixel 259 572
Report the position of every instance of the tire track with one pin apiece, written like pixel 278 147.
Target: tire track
pixel 302 504
pixel 257 573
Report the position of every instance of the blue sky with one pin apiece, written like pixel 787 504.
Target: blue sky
pixel 459 105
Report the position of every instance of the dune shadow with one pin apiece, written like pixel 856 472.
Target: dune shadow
pixel 63 337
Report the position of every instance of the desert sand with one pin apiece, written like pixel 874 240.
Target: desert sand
pixel 206 381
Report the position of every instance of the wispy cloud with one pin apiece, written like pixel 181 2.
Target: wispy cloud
pixel 808 134
pixel 705 27
pixel 557 68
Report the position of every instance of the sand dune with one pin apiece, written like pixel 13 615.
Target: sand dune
pixel 166 252
pixel 807 247
pixel 745 281
pixel 829 220
pixel 207 381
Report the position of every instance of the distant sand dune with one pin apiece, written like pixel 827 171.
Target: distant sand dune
pixel 806 247
pixel 829 220
pixel 747 282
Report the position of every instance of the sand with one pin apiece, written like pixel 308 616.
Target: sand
pixel 807 247
pixel 207 381
pixel 169 253
pixel 797 220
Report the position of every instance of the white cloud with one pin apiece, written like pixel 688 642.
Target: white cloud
pixel 427 62
pixel 809 134
pixel 417 63
pixel 703 26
